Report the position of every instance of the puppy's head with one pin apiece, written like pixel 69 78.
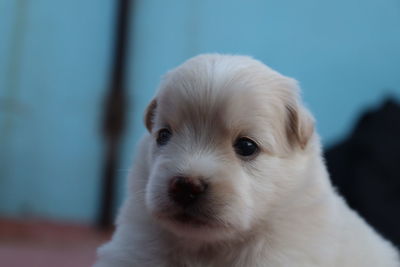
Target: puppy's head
pixel 228 140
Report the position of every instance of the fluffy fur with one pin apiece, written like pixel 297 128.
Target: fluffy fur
pixel 275 209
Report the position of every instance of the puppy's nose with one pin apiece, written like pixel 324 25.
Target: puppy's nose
pixel 184 191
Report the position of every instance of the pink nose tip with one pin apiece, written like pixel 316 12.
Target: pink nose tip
pixel 185 191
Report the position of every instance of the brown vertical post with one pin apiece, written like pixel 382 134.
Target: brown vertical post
pixel 114 114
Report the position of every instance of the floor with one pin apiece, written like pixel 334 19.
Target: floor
pixel 45 244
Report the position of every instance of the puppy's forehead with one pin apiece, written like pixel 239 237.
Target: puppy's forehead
pixel 218 90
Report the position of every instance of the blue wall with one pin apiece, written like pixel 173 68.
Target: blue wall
pixel 54 70
pixel 53 75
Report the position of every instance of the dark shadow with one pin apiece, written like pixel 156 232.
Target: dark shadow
pixel 365 167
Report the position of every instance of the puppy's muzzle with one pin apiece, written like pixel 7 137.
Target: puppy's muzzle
pixel 186 191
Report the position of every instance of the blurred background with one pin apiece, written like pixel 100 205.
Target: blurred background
pixel 76 76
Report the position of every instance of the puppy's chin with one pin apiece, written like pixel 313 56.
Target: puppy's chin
pixel 200 228
pixel 203 223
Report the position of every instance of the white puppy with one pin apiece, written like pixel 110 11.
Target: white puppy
pixel 231 174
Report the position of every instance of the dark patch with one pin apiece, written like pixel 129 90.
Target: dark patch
pixel 292 126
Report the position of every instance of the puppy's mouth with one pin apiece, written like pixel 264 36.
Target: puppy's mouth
pixel 188 219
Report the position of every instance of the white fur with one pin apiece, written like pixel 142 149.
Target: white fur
pixel 277 209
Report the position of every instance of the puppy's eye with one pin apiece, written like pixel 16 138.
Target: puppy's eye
pixel 245 147
pixel 163 136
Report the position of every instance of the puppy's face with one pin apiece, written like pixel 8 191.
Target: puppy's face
pixel 227 135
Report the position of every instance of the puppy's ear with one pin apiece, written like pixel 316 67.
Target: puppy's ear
pixel 299 125
pixel 149 115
